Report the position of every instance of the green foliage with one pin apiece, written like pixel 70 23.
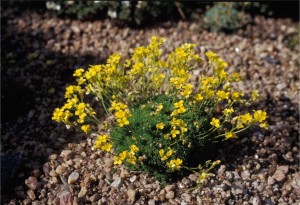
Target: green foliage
pixel 225 17
pixel 143 133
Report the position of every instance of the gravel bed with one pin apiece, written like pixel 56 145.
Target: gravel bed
pixel 59 166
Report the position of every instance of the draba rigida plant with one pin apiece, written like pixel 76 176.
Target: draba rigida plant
pixel 163 119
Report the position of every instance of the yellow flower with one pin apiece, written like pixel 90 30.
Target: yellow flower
pixel 160 126
pixel 236 96
pixel 161 152
pixel 169 153
pixel 78 72
pixel 159 107
pixel 246 118
pixel 174 132
pixel 229 135
pixel 106 147
pixel 58 114
pixel 198 97
pixel 174 164
pixel 186 90
pixel 264 125
pixel 215 122
pixel 123 155
pixel 202 177
pixel 221 94
pixel 117 160
pixel 228 111
pixel 85 128
pixel 134 148
pixel 260 115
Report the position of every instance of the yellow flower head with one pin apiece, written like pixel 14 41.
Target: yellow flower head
pixel 85 128
pixel 160 126
pixel 215 122
pixel 260 115
pixel 174 132
pixel 229 135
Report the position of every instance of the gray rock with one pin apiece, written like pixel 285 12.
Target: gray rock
pixel 73 177
pixel 117 183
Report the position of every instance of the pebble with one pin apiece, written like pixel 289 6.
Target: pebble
pixel 67 154
pixel 95 197
pixel 31 194
pixel 117 183
pixel 133 178
pixel 270 180
pixel 108 162
pixel 73 177
pixel 170 195
pixel 60 169
pixel 280 173
pixel 27 201
pixel 256 200
pixel 32 183
pixel 82 192
pixel 186 197
pixel 132 195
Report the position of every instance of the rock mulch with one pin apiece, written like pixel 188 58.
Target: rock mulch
pixel 41 52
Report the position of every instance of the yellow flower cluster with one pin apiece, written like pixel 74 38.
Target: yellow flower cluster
pixel 164 156
pixel 74 107
pixel 103 143
pixel 175 164
pixel 179 108
pixel 121 113
pixel 129 156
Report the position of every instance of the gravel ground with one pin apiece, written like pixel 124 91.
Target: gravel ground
pixel 58 166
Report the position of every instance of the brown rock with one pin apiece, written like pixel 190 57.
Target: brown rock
pixel 27 201
pixel 60 169
pixel 32 183
pixel 31 194
pixel 170 195
pixel 280 173
pixel 186 197
pixel 67 154
pixel 65 198
pixel 94 197
pixel 82 192
pixel 132 195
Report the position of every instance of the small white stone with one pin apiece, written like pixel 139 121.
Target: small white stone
pixel 73 177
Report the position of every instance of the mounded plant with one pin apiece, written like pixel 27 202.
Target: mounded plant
pixel 164 121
